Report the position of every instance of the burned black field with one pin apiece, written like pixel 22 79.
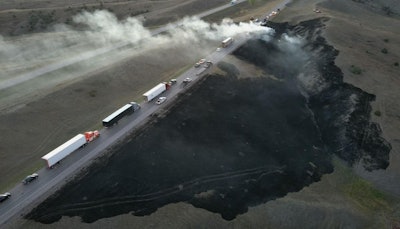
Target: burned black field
pixel 233 141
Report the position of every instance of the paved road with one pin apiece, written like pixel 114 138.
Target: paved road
pixel 24 195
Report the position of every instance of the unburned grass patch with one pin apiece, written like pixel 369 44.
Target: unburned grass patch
pixel 361 192
pixel 243 9
pixel 355 70
pixel 365 195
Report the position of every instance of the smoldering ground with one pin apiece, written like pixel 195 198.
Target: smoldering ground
pixel 235 141
pixel 243 143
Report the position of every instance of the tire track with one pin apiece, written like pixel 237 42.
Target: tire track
pixel 115 201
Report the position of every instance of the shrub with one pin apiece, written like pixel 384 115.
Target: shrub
pixel 386 40
pixel 355 70
pixel 92 93
pixel 384 50
pixel 387 10
pixel 396 64
pixel 378 113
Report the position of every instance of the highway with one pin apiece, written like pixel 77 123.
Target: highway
pixel 24 197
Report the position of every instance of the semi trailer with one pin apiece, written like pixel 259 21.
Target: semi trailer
pixel 59 153
pixel 227 42
pixel 127 109
pixel 155 91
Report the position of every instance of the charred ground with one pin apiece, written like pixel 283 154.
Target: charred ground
pixel 341 110
pixel 235 142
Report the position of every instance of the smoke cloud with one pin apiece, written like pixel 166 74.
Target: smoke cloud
pixel 104 27
pixel 37 64
pixel 27 57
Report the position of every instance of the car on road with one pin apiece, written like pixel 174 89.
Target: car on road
pixel 30 178
pixel 187 80
pixel 199 63
pixel 161 100
pixel 5 196
pixel 207 64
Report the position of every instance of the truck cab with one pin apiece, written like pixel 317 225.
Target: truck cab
pixel 135 106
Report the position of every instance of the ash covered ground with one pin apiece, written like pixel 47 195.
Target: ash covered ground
pixel 235 141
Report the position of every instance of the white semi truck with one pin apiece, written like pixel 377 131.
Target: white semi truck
pixel 155 91
pixel 227 42
pixel 68 147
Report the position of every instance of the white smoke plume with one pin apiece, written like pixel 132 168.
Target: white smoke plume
pixel 299 56
pixel 104 27
pixel 27 57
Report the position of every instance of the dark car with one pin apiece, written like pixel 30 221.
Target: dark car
pixel 30 178
pixel 173 81
pixel 5 196
pixel 207 64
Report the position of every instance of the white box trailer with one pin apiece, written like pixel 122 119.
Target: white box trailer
pixel 227 42
pixel 155 91
pixel 117 115
pixel 64 150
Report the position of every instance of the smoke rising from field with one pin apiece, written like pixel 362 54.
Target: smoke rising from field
pixel 97 33
pixel 300 56
pixel 104 27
